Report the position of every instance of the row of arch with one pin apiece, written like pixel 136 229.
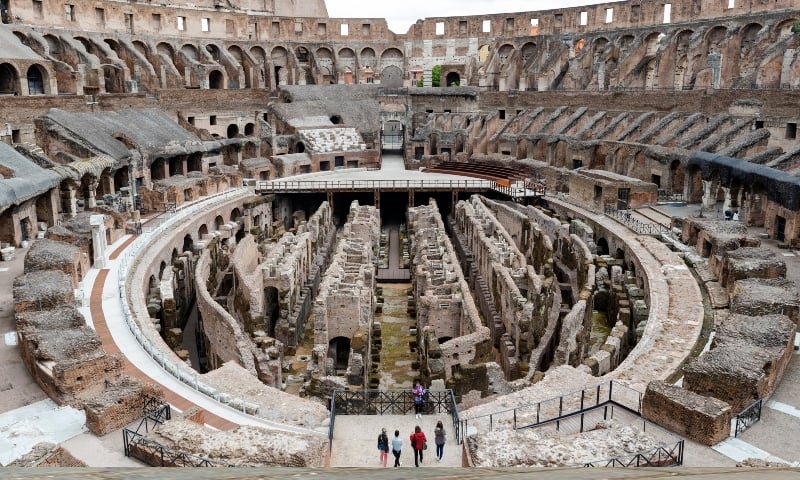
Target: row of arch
pixel 35 81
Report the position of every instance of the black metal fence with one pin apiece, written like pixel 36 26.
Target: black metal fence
pixel 391 402
pixel 668 196
pixel 155 412
pixel 661 456
pixel 748 417
pixel 559 408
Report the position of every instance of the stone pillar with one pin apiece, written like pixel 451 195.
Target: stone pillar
pixel 99 241
pixel 91 191
pixel 68 201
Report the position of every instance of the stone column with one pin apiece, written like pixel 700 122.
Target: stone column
pixel 99 241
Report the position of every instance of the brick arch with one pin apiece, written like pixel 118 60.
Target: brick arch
pixel 9 79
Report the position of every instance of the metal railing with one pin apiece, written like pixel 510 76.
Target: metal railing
pixel 625 217
pixel 748 417
pixel 153 229
pixel 661 456
pixel 392 402
pixel 668 196
pixel 157 455
pixel 555 409
pixel 310 186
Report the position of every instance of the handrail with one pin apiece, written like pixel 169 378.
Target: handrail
pixel 597 395
pixel 747 417
pixel 151 230
pixel 267 186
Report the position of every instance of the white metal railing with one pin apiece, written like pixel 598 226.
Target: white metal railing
pixel 265 186
pixel 151 231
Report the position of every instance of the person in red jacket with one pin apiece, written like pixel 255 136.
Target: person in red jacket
pixel 418 443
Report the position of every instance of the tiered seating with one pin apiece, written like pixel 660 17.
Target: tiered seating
pixel 478 170
pixel 333 139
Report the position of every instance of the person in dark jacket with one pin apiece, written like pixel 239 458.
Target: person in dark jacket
pixel 383 446
pixel 418 443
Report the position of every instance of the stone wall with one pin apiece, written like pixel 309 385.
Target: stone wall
pixel 442 299
pixel 705 420
pixel 345 304
pixel 47 455
pixel 747 359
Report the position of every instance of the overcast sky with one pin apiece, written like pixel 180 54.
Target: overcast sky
pixel 401 14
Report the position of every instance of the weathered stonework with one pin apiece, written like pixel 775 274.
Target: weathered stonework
pixel 705 420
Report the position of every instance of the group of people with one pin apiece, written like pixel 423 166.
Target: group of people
pixel 417 439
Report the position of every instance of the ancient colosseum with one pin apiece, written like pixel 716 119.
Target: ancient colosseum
pixel 236 233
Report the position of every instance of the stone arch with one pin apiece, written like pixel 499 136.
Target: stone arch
pixel 218 222
pixel 783 29
pixel 232 131
pixel 504 53
pixel 190 51
pixel 368 57
pixel 749 33
pixel 280 63
pixel 324 59
pixel 161 267
pixel 249 129
pixel 578 46
pixel 202 231
pixel 216 81
pixel 173 256
pixel 121 177
pixel 625 41
pixel 599 46
pixel 37 80
pixel 339 351
pixel 652 42
pixel 528 50
pixel 452 79
pixel 346 64
pixel 158 169
pixel 483 53
pixel 715 38
pixel 215 52
pixel 683 40
pixel 681 70
pixel 302 54
pixel 9 80
pixel 392 77
pixel 602 246
pixel 141 47
pixel 235 214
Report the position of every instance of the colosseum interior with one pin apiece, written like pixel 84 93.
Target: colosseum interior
pixel 579 228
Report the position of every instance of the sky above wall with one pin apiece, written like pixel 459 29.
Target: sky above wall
pixel 401 14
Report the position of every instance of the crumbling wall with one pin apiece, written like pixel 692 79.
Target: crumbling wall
pixel 705 420
pixel 66 357
pixel 47 455
pixel 442 298
pixel 46 254
pixel 345 304
pixel 749 262
pixel 746 361
pixel 294 268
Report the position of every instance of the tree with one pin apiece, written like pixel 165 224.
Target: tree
pixel 436 76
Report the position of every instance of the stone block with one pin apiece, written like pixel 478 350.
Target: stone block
pixel 705 420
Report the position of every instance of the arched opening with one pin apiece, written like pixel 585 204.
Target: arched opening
pixel 8 80
pixel 336 119
pixel 173 256
pixel 272 310
pixel 299 147
pixel 441 340
pixel 195 162
pixel 619 254
pixel 161 269
pixel 233 130
pixel 602 246
pixel 188 243
pixel 339 351
pixel 202 232
pixel 249 129
pixel 218 223
pixel 677 176
pixel 215 80
pixel 175 167
pixel 35 80
pixel 158 169
pixel 453 79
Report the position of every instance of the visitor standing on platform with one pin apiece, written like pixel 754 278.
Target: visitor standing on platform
pixel 383 446
pixel 440 437
pixel 418 443
pixel 419 398
pixel 397 447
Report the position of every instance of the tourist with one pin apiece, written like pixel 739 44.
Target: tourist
pixel 419 398
pixel 736 216
pixel 383 446
pixel 440 436
pixel 397 447
pixel 418 443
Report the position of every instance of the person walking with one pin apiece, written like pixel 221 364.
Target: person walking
pixel 397 447
pixel 418 443
pixel 440 437
pixel 419 398
pixel 383 446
